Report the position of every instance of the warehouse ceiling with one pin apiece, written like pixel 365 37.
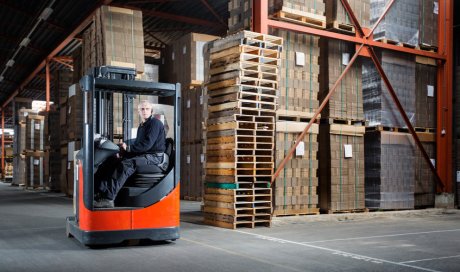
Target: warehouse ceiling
pixel 31 31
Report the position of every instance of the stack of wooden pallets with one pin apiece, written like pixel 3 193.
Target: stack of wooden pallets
pixel 240 131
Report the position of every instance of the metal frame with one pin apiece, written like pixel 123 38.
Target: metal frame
pixel 444 166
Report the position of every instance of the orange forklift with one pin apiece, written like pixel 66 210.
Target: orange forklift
pixel 147 207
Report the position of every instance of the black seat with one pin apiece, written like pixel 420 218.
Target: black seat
pixel 147 176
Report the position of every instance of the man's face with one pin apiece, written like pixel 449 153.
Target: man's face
pixel 145 111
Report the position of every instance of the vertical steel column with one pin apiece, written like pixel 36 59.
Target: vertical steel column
pixel 47 69
pixel 3 143
pixel 444 129
pixel 260 15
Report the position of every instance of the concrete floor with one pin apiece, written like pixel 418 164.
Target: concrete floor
pixel 32 238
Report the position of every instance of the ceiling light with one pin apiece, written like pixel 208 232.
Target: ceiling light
pixel 1 78
pixel 45 14
pixel 25 42
pixel 10 63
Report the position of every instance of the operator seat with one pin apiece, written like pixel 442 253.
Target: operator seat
pixel 142 185
pixel 148 175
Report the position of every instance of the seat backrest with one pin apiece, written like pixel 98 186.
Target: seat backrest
pixel 170 152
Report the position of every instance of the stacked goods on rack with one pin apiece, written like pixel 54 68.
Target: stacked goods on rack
pixel 425 183
pixel 114 38
pixel 390 171
pixel 192 146
pixel 379 107
pixel 425 96
pixel 240 130
pixel 347 101
pixel 337 17
pixel 62 80
pixel 400 25
pixel 52 133
pixel 240 15
pixel 35 152
pixel 341 140
pixel 184 60
pixel 341 168
pixel 428 21
pixel 295 189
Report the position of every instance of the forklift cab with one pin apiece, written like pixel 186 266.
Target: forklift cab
pixel 147 206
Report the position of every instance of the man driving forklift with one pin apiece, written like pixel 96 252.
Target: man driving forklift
pixel 147 149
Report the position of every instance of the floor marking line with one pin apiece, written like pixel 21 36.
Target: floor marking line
pixel 431 259
pixel 241 255
pixel 335 251
pixel 381 236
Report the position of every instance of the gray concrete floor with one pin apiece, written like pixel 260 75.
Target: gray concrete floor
pixel 32 238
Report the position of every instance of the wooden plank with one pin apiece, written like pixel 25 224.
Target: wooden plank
pixel 220 165
pixel 295 127
pixel 221 107
pixel 222 84
pixel 219 191
pixel 219 210
pixel 296 113
pixel 349 130
pixel 220 172
pixel 221 198
pixel 425 60
pixel 223 126
pixel 426 136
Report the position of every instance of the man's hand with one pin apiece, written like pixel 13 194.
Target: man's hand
pixel 122 145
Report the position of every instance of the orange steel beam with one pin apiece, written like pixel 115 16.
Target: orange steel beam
pixel 3 144
pixel 47 69
pixel 63 63
pixel 347 38
pixel 61 46
pixel 444 96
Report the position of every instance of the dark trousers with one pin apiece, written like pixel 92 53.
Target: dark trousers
pixel 108 181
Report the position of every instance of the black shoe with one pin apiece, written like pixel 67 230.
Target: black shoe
pixel 103 203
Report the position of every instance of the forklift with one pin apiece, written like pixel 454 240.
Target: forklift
pixel 147 207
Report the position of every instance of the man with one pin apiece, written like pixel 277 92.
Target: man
pixel 148 148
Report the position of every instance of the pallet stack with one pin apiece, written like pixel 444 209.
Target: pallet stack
pixel 52 132
pixel 295 189
pixel 337 18
pixel 240 131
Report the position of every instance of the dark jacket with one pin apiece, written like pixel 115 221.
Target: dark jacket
pixel 150 138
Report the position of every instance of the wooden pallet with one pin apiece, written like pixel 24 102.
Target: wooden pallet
pixel 385 128
pixel 302 18
pixel 295 212
pixel 427 130
pixel 344 121
pixel 341 27
pixel 242 97
pixel 244 89
pixel 426 47
pixel 364 210
pixel 397 43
